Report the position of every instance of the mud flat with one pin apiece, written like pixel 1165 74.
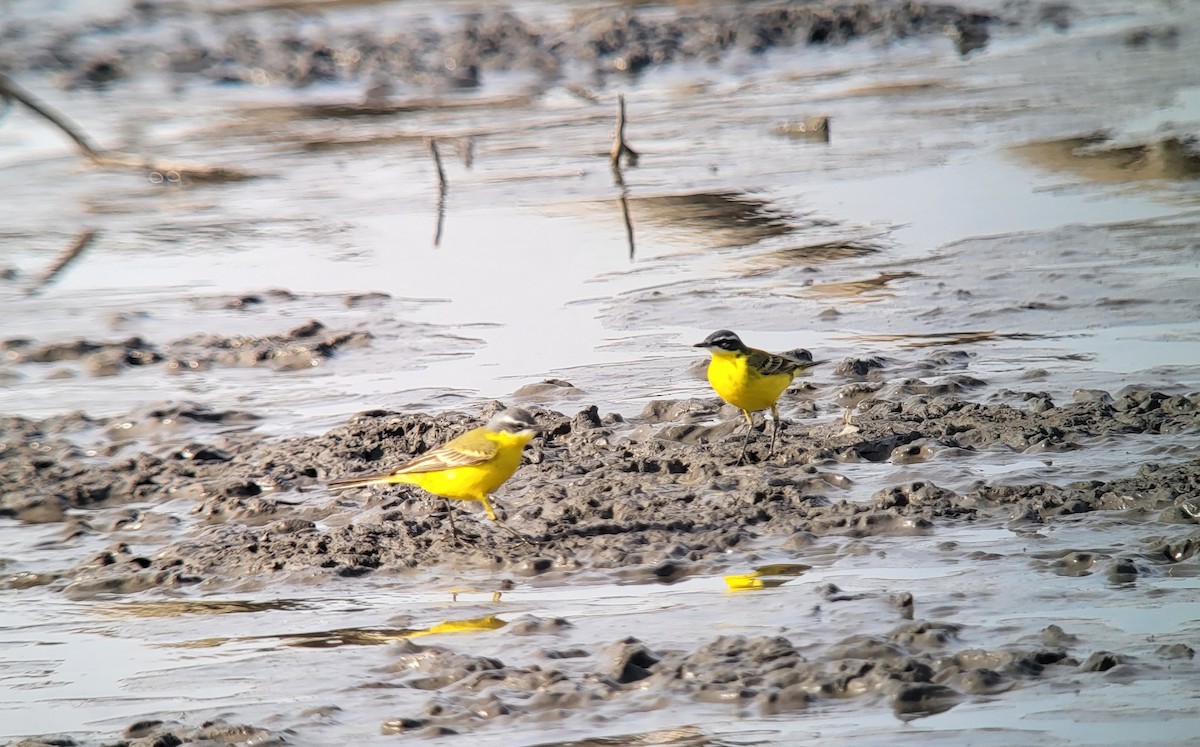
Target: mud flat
pixel 649 500
pixel 979 526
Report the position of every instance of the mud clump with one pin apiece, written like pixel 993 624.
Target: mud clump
pixel 305 346
pixel 915 667
pixel 157 733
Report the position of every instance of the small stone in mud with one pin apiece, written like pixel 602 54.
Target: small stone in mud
pixel 1166 36
pixel 531 625
pixel 1176 651
pixel 979 681
pixel 140 729
pixel 1101 661
pixel 1053 635
pixel 1077 563
pixel 534 566
pixel 629 661
pixel 566 653
pixel 363 299
pixel 202 453
pixel 43 510
pixel 402 725
pixel 549 390
pixel 923 698
pixel 775 701
pixel 27 580
pixel 668 571
pixel 1092 395
pixel 1123 571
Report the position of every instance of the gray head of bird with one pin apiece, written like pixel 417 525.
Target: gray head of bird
pixel 513 420
pixel 722 339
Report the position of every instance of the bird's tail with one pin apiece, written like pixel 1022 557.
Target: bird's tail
pixel 358 481
pixel 801 359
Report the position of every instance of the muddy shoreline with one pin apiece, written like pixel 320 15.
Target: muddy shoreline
pixel 1006 513
pixel 649 500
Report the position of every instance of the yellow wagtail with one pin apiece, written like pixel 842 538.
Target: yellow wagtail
pixel 750 379
pixel 467 468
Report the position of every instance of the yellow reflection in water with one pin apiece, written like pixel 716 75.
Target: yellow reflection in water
pixel 766 576
pixel 357 636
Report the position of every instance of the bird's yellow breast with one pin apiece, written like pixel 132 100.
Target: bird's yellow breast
pixel 741 385
pixel 475 481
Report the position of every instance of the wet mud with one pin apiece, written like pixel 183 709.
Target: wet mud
pixel 968 468
pixel 299 348
pixel 656 497
pixel 651 499
pixel 425 52
pixel 1097 157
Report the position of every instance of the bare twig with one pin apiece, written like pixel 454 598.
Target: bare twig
pixel 10 89
pixel 437 162
pixel 168 170
pixel 620 147
pixel 442 186
pixel 72 252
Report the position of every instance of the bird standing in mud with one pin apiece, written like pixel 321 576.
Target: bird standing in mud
pixel 750 379
pixel 467 468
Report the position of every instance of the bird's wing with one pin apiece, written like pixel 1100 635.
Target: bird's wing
pixel 767 364
pixel 469 449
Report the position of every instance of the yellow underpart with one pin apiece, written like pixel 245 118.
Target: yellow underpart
pixel 741 386
pixel 474 482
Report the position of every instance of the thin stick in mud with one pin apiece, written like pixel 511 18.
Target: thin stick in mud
pixel 9 89
pixel 442 186
pixel 619 146
pixel 82 241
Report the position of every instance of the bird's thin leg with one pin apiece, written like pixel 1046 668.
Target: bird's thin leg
pixel 746 438
pixel 774 430
pixel 487 505
pixel 450 516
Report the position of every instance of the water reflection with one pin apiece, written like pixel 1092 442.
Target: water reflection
pixel 357 636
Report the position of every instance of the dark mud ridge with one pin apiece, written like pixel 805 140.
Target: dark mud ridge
pixel 655 498
pixel 304 347
pixel 658 498
pixel 156 733
pixel 272 43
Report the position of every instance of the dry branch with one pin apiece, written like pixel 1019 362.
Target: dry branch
pixel 67 257
pixel 441 178
pixel 437 162
pixel 168 170
pixel 619 146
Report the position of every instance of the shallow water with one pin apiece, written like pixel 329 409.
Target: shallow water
pixel 921 225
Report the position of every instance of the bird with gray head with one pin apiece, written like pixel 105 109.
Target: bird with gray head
pixel 751 379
